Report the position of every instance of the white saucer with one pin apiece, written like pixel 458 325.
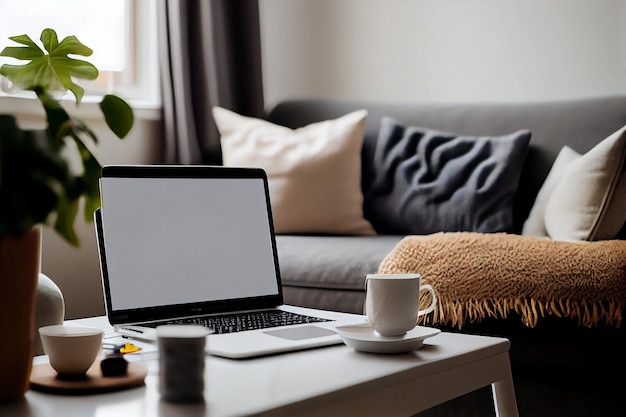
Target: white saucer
pixel 362 337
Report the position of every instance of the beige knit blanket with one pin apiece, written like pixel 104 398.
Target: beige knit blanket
pixel 492 275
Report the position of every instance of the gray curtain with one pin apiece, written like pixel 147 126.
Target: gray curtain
pixel 210 55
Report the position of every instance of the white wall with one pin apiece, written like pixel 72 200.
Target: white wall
pixel 444 50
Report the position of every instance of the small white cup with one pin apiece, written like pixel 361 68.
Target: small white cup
pixel 71 349
pixel 181 362
pixel 392 302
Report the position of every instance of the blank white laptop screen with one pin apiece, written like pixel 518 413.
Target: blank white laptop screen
pixel 197 243
pixel 173 241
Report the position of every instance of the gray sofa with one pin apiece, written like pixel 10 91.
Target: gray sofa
pixel 559 367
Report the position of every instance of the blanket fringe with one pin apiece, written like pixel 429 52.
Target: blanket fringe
pixel 482 275
pixel 589 314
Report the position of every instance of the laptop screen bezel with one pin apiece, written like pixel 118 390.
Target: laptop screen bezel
pixel 146 314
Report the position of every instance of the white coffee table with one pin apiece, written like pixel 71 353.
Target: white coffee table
pixel 330 381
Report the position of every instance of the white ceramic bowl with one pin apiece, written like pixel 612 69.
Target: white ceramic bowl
pixel 71 349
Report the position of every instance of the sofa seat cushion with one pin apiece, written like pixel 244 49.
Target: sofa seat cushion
pixel 346 301
pixel 331 262
pixel 477 275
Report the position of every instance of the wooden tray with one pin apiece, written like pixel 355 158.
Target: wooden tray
pixel 44 378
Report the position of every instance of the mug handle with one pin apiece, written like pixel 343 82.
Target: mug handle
pixel 433 303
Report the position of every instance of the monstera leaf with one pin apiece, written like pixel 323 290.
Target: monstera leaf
pixel 36 184
pixel 51 72
pixel 50 75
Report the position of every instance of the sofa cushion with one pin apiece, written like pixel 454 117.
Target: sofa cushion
pixel 314 172
pixel 347 301
pixel 427 181
pixel 589 202
pixel 535 225
pixel 331 262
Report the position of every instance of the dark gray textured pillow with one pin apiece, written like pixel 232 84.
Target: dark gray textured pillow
pixel 425 181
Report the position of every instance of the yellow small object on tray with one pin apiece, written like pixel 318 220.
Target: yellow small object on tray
pixel 129 348
pixel 121 348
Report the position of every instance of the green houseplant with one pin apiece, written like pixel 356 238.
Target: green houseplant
pixel 35 176
pixel 44 174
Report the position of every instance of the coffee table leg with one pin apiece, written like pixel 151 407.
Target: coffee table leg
pixel 504 398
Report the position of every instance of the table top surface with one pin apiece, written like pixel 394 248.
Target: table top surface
pixel 271 383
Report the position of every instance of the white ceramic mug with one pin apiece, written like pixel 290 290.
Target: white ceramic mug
pixel 392 302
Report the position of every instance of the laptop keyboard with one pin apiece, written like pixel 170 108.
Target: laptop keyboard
pixel 230 323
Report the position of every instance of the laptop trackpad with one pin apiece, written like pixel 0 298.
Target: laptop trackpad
pixel 300 333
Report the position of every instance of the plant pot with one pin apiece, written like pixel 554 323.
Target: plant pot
pixel 20 263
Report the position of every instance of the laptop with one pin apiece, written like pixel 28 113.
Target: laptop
pixel 187 244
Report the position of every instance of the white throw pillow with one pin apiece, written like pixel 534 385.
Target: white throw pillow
pixel 535 223
pixel 589 202
pixel 314 172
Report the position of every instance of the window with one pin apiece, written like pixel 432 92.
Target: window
pixel 122 34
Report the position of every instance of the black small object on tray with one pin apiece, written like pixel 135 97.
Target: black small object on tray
pixel 114 365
